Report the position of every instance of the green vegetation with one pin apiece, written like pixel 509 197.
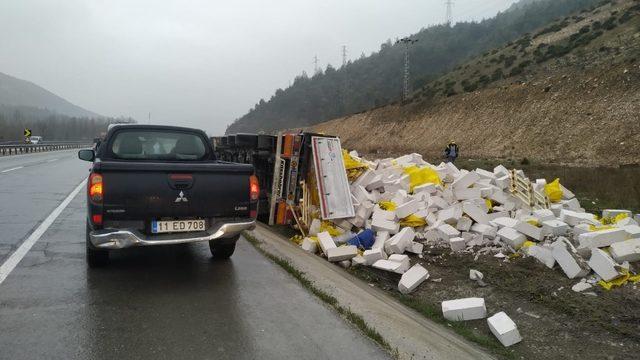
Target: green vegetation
pixel 375 80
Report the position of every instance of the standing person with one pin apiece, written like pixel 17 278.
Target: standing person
pixel 452 151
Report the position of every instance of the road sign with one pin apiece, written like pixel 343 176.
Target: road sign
pixel 27 132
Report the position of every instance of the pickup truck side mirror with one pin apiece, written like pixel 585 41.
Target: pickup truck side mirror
pixel 86 155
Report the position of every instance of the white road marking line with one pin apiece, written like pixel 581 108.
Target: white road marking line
pixel 52 160
pixel 15 168
pixel 16 257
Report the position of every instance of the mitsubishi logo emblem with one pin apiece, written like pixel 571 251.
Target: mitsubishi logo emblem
pixel 181 198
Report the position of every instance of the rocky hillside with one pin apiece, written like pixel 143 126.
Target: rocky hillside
pixel 567 93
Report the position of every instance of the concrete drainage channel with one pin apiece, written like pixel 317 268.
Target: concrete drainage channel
pixel 403 332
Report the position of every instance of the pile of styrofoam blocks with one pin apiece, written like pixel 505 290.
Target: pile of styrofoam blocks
pixel 472 211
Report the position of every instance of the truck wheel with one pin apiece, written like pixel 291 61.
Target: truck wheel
pixel 95 257
pixel 221 251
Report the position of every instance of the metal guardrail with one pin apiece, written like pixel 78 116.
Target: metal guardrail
pixel 16 149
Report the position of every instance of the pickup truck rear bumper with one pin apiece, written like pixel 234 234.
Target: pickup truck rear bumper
pixel 112 239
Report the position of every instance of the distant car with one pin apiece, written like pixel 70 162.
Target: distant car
pixel 35 139
pixel 161 185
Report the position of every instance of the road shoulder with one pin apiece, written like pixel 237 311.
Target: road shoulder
pixel 407 332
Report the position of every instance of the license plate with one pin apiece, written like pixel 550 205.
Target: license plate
pixel 158 227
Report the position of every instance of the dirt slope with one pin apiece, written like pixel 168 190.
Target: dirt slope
pixel 579 107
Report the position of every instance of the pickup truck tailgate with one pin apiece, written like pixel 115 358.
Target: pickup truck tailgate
pixel 150 190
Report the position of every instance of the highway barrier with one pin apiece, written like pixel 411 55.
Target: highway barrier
pixel 16 149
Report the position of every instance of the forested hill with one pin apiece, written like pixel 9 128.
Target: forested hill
pixel 376 80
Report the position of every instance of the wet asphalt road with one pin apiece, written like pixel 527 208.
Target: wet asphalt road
pixel 150 303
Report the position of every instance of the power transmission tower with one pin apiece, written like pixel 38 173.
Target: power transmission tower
pixel 406 88
pixel 449 18
pixel 344 55
pixel 316 69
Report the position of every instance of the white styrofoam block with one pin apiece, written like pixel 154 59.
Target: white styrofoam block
pixel 568 260
pixel 534 232
pixel 361 194
pixel 467 193
pixel 543 215
pixel 464 309
pixel 438 202
pixel 411 279
pixel 475 212
pixel 407 209
pixel 309 245
pixel 399 242
pixel 503 182
pixel 428 188
pixel 581 229
pixel 633 231
pixel 543 254
pixel 403 260
pixel 504 222
pixel 325 241
pixel 574 218
pixel 465 180
pixel 450 215
pixel 501 170
pixel 512 237
pixel 375 183
pixel 378 213
pixel 602 238
pixel 373 255
pixel 447 231
pixel 487 231
pixel 625 222
pixel 464 224
pixel 475 275
pixel 342 253
pixel 387 265
pixel 379 224
pixel 315 227
pixel 612 213
pixel 637 218
pixel 572 204
pixel 381 237
pixel 358 261
pixel 415 248
pixel 484 174
pixel 458 243
pixel 626 251
pixel 504 329
pixel 364 179
pixel 603 265
pixel 365 210
pixel 555 227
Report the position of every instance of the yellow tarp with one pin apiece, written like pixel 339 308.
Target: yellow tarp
pixel 328 227
pixel 420 176
pixel 353 167
pixel 413 221
pixel 554 191
pixel 387 205
pixel 619 281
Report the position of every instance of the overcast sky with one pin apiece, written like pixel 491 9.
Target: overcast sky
pixel 198 63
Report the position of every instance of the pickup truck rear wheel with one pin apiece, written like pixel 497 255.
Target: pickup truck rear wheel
pixel 95 257
pixel 222 251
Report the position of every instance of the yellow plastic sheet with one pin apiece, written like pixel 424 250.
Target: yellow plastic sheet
pixel 489 204
pixel 619 281
pixel 527 243
pixel 387 205
pixel 598 228
pixel 353 167
pixel 413 221
pixel 533 222
pixel 554 191
pixel 420 176
pixel 328 227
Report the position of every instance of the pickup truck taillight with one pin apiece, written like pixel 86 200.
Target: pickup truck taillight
pixel 254 188
pixel 95 188
pixel 254 195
